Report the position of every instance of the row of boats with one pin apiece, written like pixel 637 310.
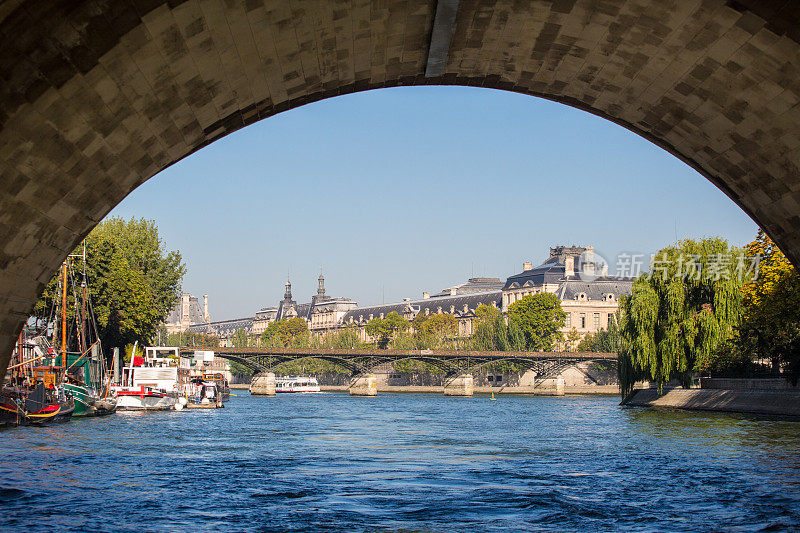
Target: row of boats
pixel 46 385
pixel 40 390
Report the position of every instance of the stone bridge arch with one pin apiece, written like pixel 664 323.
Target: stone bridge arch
pixel 98 95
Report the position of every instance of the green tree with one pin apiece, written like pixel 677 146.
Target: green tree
pixel 132 279
pixel 486 324
pixel 770 327
pixel 346 339
pixel 676 318
pixel 603 341
pixel 288 332
pixel 540 318
pixel 573 339
pixel 436 331
pixel 383 330
pixel 240 338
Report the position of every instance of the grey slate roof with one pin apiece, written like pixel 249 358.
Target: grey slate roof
pixel 195 312
pixel 473 285
pixel 223 325
pixel 595 290
pixel 433 305
pixel 548 272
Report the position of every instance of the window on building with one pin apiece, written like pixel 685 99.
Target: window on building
pixel 610 319
pixel 583 320
pixel 568 321
pixel 597 321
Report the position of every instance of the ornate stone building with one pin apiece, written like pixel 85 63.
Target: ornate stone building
pixel 186 313
pixel 587 293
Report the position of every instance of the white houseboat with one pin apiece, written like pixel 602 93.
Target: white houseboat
pixel 149 382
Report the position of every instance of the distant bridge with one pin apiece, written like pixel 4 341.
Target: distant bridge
pixel 451 362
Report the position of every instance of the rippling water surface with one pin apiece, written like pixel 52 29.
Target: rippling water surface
pixel 404 462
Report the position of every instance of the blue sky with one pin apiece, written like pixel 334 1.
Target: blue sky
pixel 399 191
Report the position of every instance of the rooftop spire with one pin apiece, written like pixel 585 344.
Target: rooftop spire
pixel 321 286
pixel 287 296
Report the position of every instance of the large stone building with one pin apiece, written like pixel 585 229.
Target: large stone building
pixel 186 313
pixel 323 312
pixel 588 294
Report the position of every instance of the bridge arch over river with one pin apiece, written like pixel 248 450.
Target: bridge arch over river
pixel 454 364
pixel 98 95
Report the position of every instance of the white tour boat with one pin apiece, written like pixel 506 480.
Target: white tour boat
pixel 304 384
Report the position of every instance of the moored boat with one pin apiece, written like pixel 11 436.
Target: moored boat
pixel 202 394
pixel 149 383
pixel 296 384
pixel 37 407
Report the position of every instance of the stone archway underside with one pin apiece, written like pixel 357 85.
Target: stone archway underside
pixel 98 96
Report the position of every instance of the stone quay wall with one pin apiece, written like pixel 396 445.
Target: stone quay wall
pixel 762 402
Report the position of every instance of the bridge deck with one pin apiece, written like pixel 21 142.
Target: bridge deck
pixel 425 354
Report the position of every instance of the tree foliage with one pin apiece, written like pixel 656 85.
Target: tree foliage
pixel 770 328
pixel 540 318
pixel 133 281
pixel 288 332
pixel 676 318
pixel 383 330
pixel 602 341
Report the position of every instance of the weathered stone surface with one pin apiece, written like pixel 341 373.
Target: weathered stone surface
pixel 97 97
pixel 263 384
pixel 773 402
pixel 364 385
pixel 459 386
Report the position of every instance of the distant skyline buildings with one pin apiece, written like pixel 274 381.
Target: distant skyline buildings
pixel 405 189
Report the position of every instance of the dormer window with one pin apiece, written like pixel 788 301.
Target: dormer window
pixel 581 296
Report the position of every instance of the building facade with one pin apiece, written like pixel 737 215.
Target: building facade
pixel 188 312
pixel 588 295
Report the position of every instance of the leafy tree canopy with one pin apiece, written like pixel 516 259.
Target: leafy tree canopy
pixel 133 281
pixel 540 318
pixel 285 333
pixel 385 329
pixel 770 328
pixel 679 315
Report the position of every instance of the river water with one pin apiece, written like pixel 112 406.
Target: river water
pixel 403 462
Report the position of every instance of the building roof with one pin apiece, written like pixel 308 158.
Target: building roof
pixel 433 305
pixel 195 312
pixel 473 285
pixel 594 290
pixel 229 325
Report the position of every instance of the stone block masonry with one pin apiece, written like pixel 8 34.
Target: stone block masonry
pixel 98 97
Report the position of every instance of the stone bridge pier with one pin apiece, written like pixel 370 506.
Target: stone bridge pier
pixel 364 385
pixel 461 385
pixel 263 384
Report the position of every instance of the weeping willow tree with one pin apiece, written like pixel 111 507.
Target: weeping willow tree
pixel 682 312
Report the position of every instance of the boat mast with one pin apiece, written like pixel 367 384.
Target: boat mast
pixel 83 302
pixel 64 315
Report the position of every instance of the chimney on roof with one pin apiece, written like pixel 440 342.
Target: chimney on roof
pixel 527 265
pixel 569 266
pixel 426 295
pixel 453 291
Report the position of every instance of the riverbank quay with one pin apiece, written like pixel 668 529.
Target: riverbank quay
pixel 751 401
